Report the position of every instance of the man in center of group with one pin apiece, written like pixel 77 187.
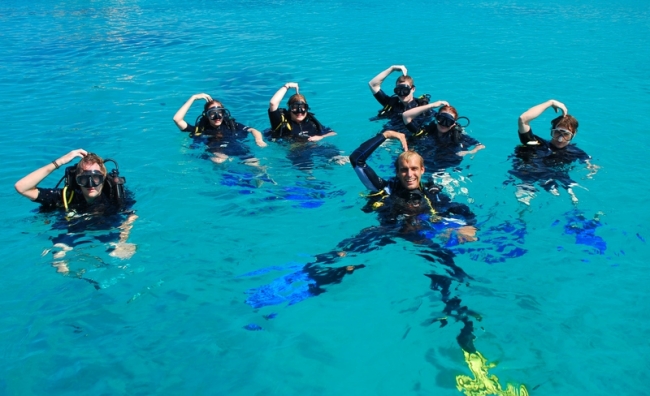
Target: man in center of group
pixel 405 193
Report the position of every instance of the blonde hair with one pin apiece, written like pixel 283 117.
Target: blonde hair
pixel 406 156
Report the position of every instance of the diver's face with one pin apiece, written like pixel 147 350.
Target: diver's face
pixel 404 92
pixel 90 193
pixel 298 117
pixel 410 172
pixel 445 121
pixel 561 137
pixel 298 111
pixel 215 118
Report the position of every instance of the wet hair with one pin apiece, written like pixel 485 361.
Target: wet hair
pixel 296 98
pixel 405 80
pixel 210 104
pixel 449 109
pixel 565 121
pixel 406 156
pixel 88 160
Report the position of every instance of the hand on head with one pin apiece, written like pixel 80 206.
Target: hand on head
pixel 559 105
pixel 290 85
pixel 203 96
pixel 400 67
pixel 399 136
pixel 72 155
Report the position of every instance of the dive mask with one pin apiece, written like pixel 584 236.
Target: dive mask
pixel 561 134
pixel 216 113
pixel 90 179
pixel 299 107
pixel 445 119
pixel 402 90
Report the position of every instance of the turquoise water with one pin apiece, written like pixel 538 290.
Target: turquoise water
pixel 108 77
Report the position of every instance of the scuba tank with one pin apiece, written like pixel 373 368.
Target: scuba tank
pixel 115 183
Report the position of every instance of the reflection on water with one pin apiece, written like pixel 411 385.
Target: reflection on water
pixel 483 383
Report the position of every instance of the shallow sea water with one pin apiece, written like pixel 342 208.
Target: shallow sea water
pixel 108 76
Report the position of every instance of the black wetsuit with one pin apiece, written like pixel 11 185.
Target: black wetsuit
pixel 412 215
pixel 301 154
pixel 52 198
pixel 439 150
pixel 299 131
pixel 404 215
pixel 223 140
pixel 402 201
pixel 86 222
pixel 544 163
pixel 393 109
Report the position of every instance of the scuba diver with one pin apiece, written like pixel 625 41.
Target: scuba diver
pixel 408 209
pixel 91 197
pixel 405 195
pixel 547 162
pixel 394 106
pixel 300 127
pixel 219 130
pixel 443 142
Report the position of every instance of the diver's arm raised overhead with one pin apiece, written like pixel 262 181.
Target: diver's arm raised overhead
pixel 397 135
pixel 358 159
pixel 375 83
pixel 409 115
pixel 536 111
pixel 277 98
pixel 179 117
pixel 27 185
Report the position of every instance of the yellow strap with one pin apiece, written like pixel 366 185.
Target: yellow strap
pixel 284 122
pixel 377 194
pixel 65 203
pixel 433 210
pixel 378 204
pixel 385 109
